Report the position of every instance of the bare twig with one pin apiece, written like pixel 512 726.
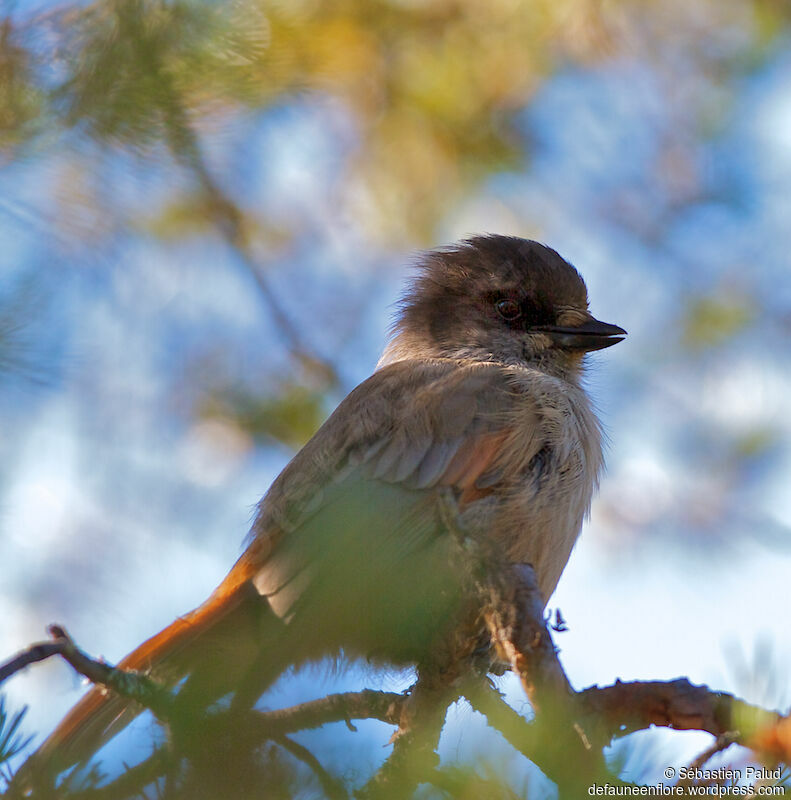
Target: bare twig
pixel 721 743
pixel 30 655
pixel 414 757
pixel 127 683
pixel 132 781
pixel 366 704
pixel 623 708
pixel 512 608
pixel 331 786
pixel 256 728
pixel 461 783
pixel 523 736
pixel 515 618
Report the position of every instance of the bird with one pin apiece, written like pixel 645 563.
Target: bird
pixel 478 396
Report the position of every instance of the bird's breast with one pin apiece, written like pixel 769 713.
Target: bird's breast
pixel 537 510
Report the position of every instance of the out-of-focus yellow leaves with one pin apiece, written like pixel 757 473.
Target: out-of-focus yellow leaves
pixel 756 442
pixel 770 17
pixel 344 54
pixel 291 415
pixel 432 87
pixel 713 319
pixel 194 214
pixel 19 99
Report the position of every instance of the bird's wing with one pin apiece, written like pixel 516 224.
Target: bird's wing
pixel 417 424
pixel 357 508
pixel 349 533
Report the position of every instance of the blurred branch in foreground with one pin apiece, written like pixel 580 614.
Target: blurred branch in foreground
pixel 148 48
pixel 213 752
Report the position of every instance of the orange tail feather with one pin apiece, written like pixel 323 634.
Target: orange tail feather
pixel 168 656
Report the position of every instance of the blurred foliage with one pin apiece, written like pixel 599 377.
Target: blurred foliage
pixel 716 317
pixel 434 91
pixel 433 86
pixel 291 415
pixel 424 102
pixel 19 100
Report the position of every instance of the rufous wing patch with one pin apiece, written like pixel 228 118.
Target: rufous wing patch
pixel 475 456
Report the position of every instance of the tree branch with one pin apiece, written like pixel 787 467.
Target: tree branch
pixel 569 725
pixel 185 146
pixel 623 708
pixel 330 785
pixel 414 759
pixel 346 706
pixel 129 684
pixel 30 655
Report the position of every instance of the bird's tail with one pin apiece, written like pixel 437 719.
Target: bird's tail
pixel 214 644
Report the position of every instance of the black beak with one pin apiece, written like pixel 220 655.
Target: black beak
pixel 591 335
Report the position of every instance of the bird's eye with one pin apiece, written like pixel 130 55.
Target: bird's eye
pixel 508 309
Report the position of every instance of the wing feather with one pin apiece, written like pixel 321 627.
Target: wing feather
pixel 410 428
pixel 435 462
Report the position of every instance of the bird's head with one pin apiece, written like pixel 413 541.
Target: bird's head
pixel 499 298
